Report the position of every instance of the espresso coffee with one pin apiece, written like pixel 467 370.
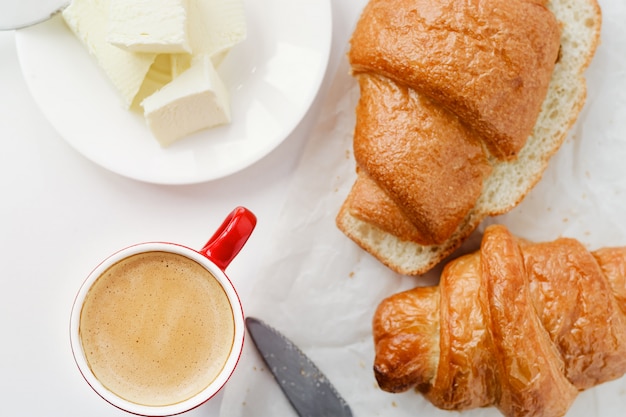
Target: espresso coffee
pixel 156 328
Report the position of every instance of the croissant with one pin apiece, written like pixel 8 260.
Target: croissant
pixel 517 325
pixel 462 104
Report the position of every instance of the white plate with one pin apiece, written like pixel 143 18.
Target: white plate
pixel 273 77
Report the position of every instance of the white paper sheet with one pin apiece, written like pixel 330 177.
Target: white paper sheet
pixel 321 290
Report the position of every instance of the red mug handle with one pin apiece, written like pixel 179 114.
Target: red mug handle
pixel 230 237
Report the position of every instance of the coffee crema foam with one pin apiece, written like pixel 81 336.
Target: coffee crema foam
pixel 156 328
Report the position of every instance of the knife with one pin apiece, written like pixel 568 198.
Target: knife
pixel 310 393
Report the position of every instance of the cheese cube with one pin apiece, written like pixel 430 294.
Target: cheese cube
pixel 197 99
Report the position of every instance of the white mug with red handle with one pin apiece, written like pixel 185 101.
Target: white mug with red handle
pixel 157 328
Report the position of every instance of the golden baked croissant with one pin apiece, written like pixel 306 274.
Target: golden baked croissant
pixel 519 325
pixel 462 103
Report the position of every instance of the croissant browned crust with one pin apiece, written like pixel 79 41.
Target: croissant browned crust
pixel 487 61
pixel 518 325
pixel 423 157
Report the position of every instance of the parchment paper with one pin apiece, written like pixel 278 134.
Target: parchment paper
pixel 321 290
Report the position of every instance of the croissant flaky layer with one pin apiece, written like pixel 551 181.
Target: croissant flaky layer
pixel 521 326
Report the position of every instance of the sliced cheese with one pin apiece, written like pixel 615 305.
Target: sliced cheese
pixel 157 26
pixel 178 92
pixel 126 70
pixel 195 100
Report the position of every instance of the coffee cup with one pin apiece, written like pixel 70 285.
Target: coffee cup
pixel 157 328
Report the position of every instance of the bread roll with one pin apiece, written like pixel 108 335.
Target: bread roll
pixel 462 105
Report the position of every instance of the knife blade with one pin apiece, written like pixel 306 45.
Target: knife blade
pixel 308 390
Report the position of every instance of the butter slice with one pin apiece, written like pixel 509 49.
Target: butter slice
pixel 195 100
pixel 126 70
pixel 156 26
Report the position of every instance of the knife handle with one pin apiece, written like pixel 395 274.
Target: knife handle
pixel 230 237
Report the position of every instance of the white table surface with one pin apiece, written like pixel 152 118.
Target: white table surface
pixel 60 214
